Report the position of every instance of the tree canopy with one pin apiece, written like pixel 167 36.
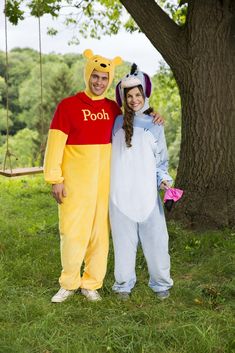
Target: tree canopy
pixel 88 17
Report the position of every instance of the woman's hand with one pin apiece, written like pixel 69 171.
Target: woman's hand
pixel 164 185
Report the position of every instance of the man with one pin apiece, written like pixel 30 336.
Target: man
pixel 77 164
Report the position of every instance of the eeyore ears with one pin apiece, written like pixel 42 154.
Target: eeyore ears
pixel 118 94
pixel 148 85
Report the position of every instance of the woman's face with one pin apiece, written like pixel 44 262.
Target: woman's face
pixel 134 99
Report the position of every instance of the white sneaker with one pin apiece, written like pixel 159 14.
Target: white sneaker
pixel 91 295
pixel 62 295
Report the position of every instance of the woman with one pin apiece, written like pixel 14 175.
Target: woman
pixel 138 171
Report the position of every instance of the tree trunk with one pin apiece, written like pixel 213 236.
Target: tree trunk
pixel 207 85
pixel 202 59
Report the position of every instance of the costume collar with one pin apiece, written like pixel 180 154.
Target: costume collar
pixel 92 96
pixel 88 100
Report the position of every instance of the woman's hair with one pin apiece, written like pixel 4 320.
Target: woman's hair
pixel 128 116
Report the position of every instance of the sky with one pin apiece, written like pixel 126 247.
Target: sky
pixel 131 47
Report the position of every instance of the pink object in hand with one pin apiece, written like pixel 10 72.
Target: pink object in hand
pixel 173 194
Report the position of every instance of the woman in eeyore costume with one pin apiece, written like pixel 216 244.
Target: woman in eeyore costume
pixel 138 170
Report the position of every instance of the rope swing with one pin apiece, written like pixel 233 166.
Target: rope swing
pixel 8 155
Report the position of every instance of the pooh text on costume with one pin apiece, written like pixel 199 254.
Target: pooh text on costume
pixel 103 115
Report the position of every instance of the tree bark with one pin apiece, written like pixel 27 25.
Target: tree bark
pixel 205 73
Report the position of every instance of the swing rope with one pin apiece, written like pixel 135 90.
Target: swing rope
pixel 9 154
pixel 41 112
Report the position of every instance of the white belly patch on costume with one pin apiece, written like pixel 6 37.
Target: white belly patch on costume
pixel 133 174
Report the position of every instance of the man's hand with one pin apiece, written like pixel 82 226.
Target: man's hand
pixel 58 192
pixel 157 118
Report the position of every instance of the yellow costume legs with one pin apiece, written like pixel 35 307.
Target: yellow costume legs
pixel 97 250
pixel 84 226
pixel 75 226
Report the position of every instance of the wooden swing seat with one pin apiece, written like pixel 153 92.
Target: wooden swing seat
pixel 21 171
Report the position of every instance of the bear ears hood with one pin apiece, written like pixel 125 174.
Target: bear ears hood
pixel 101 64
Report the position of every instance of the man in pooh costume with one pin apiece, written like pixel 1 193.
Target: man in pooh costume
pixel 77 164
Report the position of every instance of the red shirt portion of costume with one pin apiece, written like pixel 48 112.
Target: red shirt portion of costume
pixel 85 121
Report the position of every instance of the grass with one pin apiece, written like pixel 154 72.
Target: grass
pixel 198 317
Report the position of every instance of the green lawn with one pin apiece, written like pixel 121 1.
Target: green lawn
pixel 197 318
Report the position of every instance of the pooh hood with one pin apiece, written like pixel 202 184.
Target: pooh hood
pixel 99 63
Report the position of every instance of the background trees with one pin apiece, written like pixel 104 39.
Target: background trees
pixel 63 76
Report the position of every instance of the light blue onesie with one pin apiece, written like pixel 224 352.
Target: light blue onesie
pixel 136 212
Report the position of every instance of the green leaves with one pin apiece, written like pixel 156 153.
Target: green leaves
pixel 52 31
pixel 130 26
pixel 13 11
pixel 97 18
pixel 88 18
pixel 176 9
pixel 41 7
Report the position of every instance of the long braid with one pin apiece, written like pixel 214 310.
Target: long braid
pixel 128 120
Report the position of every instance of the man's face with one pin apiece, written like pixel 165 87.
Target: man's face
pixel 98 82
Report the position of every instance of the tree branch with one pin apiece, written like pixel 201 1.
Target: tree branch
pixel 165 35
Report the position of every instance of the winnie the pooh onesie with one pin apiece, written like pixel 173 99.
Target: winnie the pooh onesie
pixel 78 155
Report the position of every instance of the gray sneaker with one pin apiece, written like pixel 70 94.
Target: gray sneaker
pixel 124 296
pixel 163 295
